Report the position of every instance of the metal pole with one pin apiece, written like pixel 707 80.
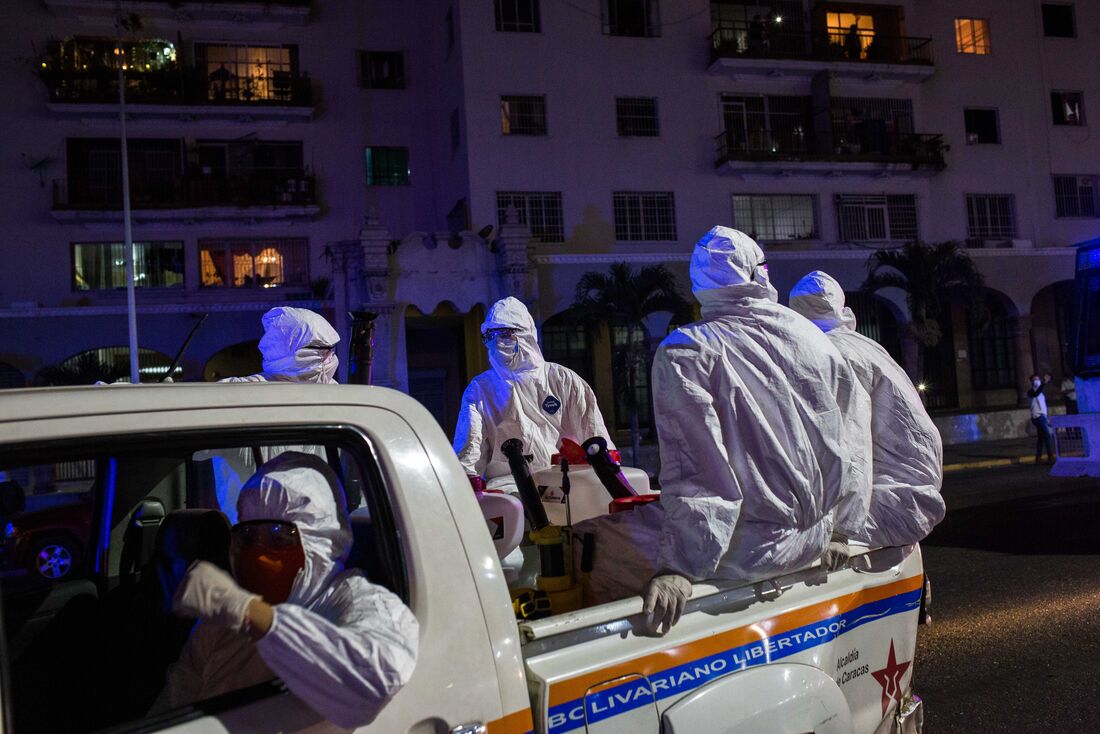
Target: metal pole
pixel 131 307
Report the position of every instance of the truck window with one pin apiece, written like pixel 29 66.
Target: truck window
pixel 86 530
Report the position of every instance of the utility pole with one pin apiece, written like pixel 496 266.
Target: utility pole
pixel 131 306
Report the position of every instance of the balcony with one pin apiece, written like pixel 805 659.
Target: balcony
pixel 791 152
pixel 267 196
pixel 179 94
pixel 258 14
pixel 736 50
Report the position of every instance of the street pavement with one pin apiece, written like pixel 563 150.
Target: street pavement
pixel 1015 570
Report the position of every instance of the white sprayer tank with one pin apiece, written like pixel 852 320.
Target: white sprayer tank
pixel 587 496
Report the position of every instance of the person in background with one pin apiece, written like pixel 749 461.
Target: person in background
pixel 752 406
pixel 341 644
pixel 907 451
pixel 522 396
pixel 1038 404
pixel 1069 394
pixel 298 345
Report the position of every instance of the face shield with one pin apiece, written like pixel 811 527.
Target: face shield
pixel 266 557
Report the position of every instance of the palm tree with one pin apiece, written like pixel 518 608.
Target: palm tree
pixel 625 298
pixel 932 276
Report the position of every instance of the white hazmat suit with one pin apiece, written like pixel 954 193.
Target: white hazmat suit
pixel 298 345
pixel 751 405
pixel 341 644
pixel 522 396
pixel 907 465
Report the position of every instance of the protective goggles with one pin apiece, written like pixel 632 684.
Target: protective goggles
pixel 762 264
pixel 499 335
pixel 269 533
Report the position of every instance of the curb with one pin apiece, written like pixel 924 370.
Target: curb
pixel 988 463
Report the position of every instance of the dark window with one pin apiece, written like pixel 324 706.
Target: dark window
pixel 523 115
pixel 642 216
pixel 95 172
pixel 102 265
pixel 382 69
pixel 539 210
pixel 772 124
pixel 631 18
pixel 254 263
pixel 387 166
pixel 1058 21
pixel 1068 108
pixel 456 131
pixel 519 16
pixel 981 127
pixel 776 217
pixel 992 347
pixel 566 342
pixel 636 116
pixel 990 216
pixel 1075 196
pixel 877 218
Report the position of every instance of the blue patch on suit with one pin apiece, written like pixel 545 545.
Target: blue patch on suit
pixel 551 405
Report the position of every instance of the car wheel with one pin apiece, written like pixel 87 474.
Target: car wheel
pixel 54 558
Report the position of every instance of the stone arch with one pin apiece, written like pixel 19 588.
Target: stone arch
pixel 1051 332
pixel 236 360
pixel 991 343
pixel 11 376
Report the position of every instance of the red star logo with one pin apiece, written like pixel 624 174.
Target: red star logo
pixel 890 678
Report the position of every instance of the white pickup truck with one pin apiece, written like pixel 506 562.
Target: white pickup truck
pixel 91 476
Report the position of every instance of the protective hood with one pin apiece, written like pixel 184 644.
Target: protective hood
pixel 819 297
pixel 303 489
pixel 729 261
pixel 510 313
pixel 297 346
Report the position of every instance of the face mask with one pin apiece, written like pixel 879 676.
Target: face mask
pixel 1036 383
pixel 266 556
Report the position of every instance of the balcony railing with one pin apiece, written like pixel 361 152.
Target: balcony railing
pixel 738 40
pixel 285 189
pixel 185 86
pixel 916 149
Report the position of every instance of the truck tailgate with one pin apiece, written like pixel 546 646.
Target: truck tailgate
pixel 859 628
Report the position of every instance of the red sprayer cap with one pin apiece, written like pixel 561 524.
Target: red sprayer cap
pixel 476 483
pixel 625 504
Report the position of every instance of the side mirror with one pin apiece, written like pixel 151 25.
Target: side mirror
pixel 12 498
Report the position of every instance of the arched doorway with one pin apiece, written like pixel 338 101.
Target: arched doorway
pixel 1051 329
pixel 436 352
pixel 107 364
pixel 237 360
pixel 11 376
pixel 876 320
pixel 567 341
pixel 991 334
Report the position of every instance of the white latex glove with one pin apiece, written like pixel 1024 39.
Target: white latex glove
pixel 836 555
pixel 210 594
pixel 665 597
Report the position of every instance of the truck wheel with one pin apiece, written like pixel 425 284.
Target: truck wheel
pixel 54 557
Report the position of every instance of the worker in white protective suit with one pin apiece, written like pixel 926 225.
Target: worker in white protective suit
pixel 751 405
pixel 907 465
pixel 341 644
pixel 298 345
pixel 522 396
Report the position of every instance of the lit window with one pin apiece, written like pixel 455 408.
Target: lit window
pixel 850 34
pixel 249 263
pixel 972 36
pixel 776 217
pixel 243 73
pixel 523 115
pixel 102 265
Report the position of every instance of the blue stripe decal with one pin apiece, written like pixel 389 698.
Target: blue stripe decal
pixel 682 679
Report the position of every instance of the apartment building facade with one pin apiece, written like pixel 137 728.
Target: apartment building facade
pixel 428 158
